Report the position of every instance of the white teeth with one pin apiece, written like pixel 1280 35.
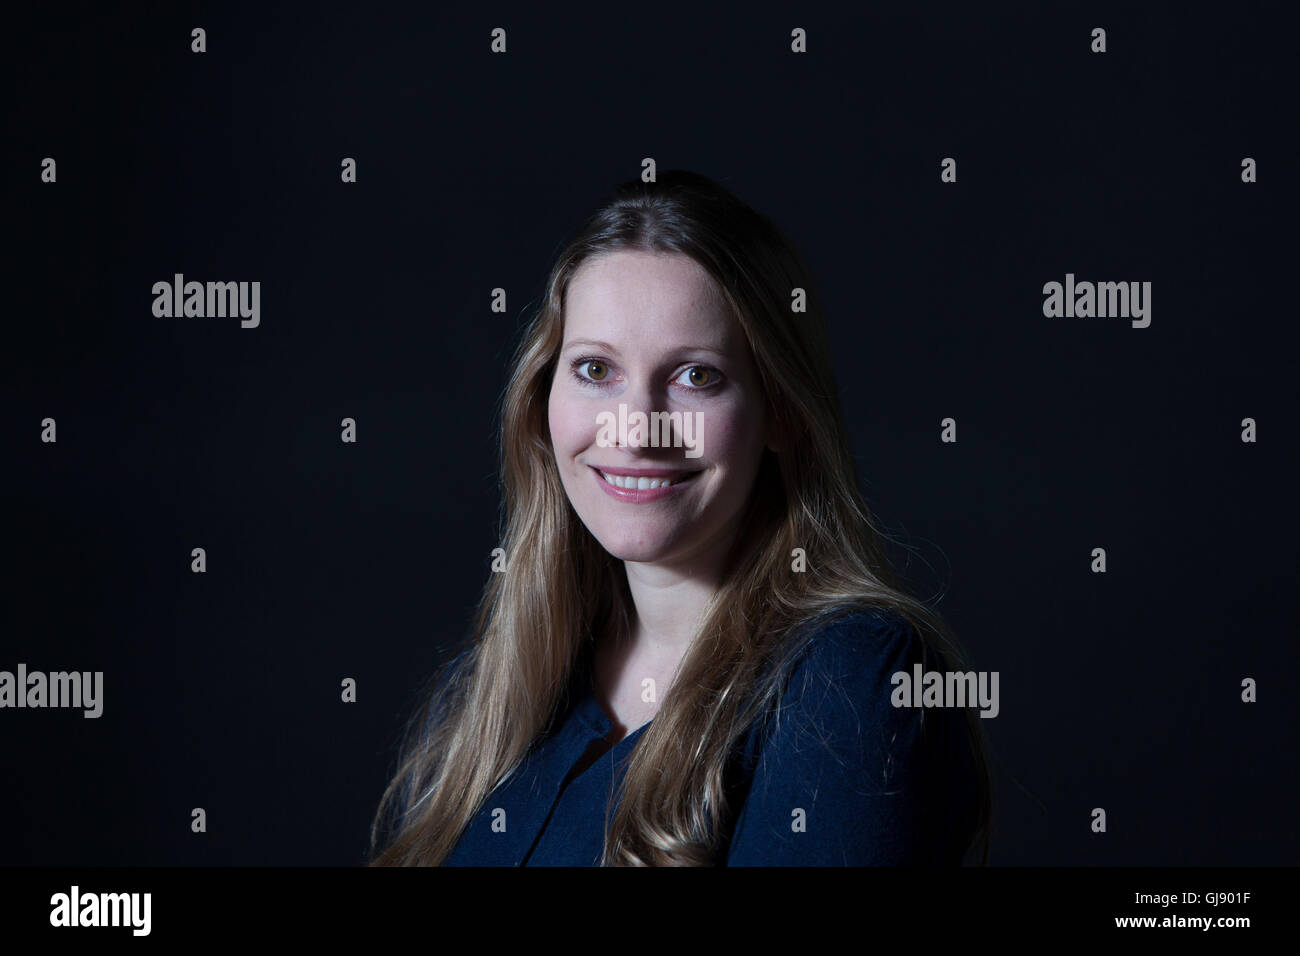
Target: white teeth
pixel 638 484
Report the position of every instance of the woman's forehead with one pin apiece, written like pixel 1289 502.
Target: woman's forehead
pixel 637 298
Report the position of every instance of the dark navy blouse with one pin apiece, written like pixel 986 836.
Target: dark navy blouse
pixel 843 778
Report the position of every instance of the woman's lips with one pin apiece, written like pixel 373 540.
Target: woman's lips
pixel 642 484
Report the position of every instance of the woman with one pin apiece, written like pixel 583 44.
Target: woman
pixel 686 657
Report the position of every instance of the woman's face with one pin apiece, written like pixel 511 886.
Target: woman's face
pixel 652 333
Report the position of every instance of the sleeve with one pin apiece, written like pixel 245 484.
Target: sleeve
pixel 845 778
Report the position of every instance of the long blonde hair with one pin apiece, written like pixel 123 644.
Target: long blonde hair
pixel 561 590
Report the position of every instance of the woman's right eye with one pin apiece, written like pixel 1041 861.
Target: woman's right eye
pixel 590 371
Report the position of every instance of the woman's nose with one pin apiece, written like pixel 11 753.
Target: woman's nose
pixel 642 401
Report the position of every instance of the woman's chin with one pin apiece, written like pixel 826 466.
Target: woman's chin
pixel 640 550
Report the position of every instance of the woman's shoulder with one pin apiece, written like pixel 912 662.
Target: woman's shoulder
pixel 841 687
pixel 860 644
pixel 868 779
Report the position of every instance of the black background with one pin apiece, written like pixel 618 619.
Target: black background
pixel 328 560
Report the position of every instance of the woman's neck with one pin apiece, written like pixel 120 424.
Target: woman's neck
pixel 670 599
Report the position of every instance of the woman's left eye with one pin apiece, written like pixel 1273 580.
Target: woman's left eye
pixel 699 376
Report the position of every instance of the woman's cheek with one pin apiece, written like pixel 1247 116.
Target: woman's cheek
pixel 579 424
pixel 565 422
pixel 720 431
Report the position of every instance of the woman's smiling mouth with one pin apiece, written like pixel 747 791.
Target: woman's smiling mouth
pixel 641 484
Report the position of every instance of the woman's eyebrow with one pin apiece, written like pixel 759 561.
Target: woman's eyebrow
pixel 591 343
pixel 606 347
